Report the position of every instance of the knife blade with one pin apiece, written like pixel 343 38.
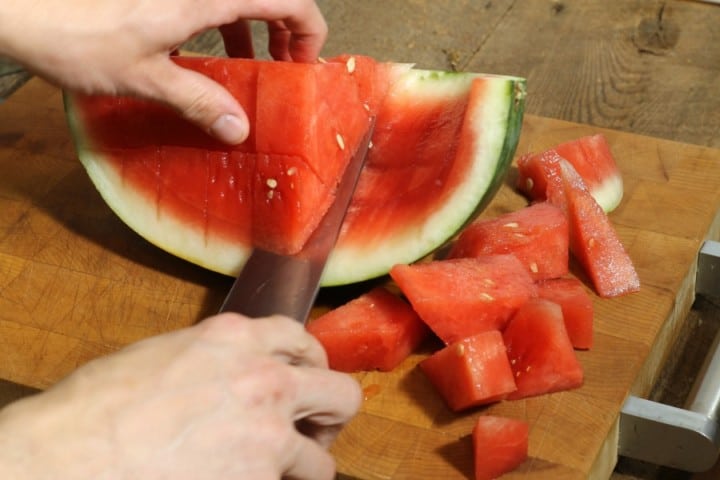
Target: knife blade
pixel 270 283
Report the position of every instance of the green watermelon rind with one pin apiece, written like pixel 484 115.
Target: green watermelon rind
pixel 350 265
pixel 345 265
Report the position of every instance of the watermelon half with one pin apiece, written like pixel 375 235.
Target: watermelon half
pixel 442 145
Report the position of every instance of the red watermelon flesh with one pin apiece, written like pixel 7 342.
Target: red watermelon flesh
pixel 541 356
pixel 576 305
pixel 375 331
pixel 472 371
pixel 537 235
pixel 286 181
pixel 500 445
pixel 461 297
pixel 592 159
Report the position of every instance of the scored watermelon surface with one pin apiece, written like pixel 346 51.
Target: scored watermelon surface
pixel 442 145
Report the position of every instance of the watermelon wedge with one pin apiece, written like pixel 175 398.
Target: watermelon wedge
pixel 443 143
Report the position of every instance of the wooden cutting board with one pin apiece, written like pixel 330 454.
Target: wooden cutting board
pixel 76 283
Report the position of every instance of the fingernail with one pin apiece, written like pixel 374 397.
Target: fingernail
pixel 230 129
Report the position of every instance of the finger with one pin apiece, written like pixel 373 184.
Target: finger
pixel 279 41
pixel 237 38
pixel 302 18
pixel 279 336
pixel 199 99
pixel 310 461
pixel 325 397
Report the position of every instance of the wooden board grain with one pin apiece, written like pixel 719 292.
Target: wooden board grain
pixel 76 283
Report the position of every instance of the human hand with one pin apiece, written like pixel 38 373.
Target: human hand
pixel 122 47
pixel 220 399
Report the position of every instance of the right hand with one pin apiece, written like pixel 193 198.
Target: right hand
pixel 222 399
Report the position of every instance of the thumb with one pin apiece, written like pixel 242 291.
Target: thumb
pixel 200 100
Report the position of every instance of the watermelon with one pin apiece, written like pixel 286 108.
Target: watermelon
pixel 541 355
pixel 500 445
pixel 537 235
pixel 375 331
pixel 576 305
pixel 472 371
pixel 442 145
pixel 592 159
pixel 461 297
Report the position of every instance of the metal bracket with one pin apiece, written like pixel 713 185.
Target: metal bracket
pixel 682 438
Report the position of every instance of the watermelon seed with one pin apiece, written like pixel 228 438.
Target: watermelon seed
pixel 533 267
pixel 486 297
pixel 291 171
pixel 591 243
pixel 366 106
pixel 460 350
pixel 340 141
pixel 488 282
pixel 511 225
pixel 350 64
pixel 529 184
pixel 270 194
pixel 322 60
pixel 271 182
pixel 370 145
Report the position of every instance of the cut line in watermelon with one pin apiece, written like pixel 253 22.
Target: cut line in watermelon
pixel 443 143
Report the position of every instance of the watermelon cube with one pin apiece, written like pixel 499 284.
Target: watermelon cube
pixel 500 445
pixel 541 356
pixel 472 371
pixel 537 235
pixel 461 297
pixel 376 330
pixel 576 305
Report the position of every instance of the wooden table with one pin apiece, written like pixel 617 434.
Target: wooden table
pixel 636 66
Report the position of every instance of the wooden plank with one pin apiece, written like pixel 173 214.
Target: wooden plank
pixel 76 283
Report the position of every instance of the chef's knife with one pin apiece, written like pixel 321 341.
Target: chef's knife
pixel 270 283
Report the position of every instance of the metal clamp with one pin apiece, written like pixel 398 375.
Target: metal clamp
pixel 682 438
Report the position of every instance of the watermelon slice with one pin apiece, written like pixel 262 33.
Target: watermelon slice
pixel 593 240
pixel 376 330
pixel 537 235
pixel 442 145
pixel 461 297
pixel 592 159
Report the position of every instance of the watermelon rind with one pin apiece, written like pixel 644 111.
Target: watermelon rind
pixel 495 122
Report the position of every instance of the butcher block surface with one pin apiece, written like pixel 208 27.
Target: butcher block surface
pixel 76 283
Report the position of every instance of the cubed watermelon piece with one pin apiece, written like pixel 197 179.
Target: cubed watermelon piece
pixel 461 297
pixel 376 330
pixel 577 308
pixel 472 371
pixel 537 235
pixel 592 159
pixel 500 445
pixel 541 355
